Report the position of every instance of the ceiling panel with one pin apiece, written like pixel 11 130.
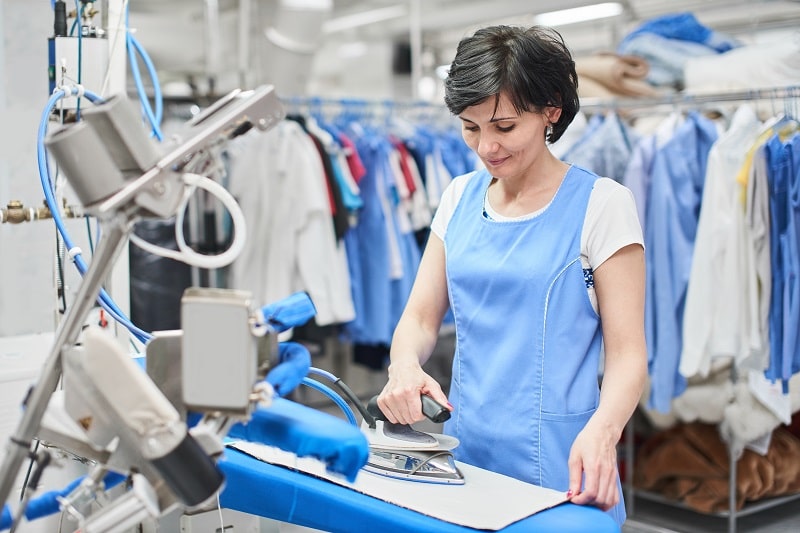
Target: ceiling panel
pixel 184 51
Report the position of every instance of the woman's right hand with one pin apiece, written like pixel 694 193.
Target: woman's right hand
pixel 399 401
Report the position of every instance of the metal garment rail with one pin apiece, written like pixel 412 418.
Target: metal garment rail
pixel 692 99
pixel 370 108
pixel 788 94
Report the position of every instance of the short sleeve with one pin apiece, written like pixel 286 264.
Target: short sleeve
pixel 447 205
pixel 611 222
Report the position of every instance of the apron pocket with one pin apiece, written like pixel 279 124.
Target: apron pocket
pixel 557 433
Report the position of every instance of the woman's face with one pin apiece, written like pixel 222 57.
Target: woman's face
pixel 508 144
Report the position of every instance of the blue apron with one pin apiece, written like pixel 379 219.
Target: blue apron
pixel 525 372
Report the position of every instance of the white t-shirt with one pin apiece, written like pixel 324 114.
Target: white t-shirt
pixel 611 221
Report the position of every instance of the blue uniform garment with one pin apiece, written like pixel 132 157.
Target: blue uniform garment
pixel 378 297
pixel 457 157
pixel 400 287
pixel 783 255
pixel 419 146
pixel 606 149
pixel 673 209
pixel 792 365
pixel 592 125
pixel 778 194
pixel 524 379
pixel 637 173
pixel 368 253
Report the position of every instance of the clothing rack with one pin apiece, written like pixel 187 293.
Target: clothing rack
pixel 371 108
pixel 311 101
pixel 692 99
pixel 787 94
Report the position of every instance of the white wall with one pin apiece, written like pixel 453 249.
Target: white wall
pixel 26 250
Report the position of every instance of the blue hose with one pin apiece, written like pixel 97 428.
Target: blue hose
pixel 327 391
pixel 105 301
pixel 134 47
pixel 48 503
pixel 323 373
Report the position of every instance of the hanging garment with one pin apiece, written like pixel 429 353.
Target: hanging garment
pixel 673 208
pixel 753 181
pixel 778 175
pixel 640 167
pixel 382 249
pixel 368 253
pixel 572 135
pixel 279 181
pixel 714 322
pixel 546 364
pixel 758 280
pixel 785 240
pixel 791 361
pixel 605 147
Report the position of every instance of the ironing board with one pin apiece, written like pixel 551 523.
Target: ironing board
pixel 270 491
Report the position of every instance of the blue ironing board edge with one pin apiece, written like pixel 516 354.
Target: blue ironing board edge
pixel 259 488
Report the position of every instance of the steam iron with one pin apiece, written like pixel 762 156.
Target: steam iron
pixel 401 452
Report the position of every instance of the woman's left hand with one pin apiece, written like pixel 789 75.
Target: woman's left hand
pixel 593 461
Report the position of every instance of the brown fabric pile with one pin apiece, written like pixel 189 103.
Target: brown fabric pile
pixel 605 75
pixel 690 463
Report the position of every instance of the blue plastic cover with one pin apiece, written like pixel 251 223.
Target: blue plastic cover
pixel 307 432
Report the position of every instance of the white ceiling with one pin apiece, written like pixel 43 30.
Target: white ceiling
pixel 177 34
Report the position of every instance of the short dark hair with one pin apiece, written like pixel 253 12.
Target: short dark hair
pixel 533 66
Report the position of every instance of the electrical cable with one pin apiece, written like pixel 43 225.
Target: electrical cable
pixel 28 473
pixel 89 235
pixel 44 174
pixel 330 393
pixel 347 391
pixel 42 460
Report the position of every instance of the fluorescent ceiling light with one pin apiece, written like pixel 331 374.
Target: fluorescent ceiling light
pixel 364 18
pixel 579 14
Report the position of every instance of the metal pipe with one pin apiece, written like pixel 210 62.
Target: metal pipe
pixel 17 449
pixel 776 93
pixel 415 39
pixel 213 41
pixel 245 13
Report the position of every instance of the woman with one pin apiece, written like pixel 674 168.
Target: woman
pixel 529 253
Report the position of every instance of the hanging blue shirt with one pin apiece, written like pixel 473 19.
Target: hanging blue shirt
pixel 605 149
pixel 784 313
pixel 368 253
pixel 673 210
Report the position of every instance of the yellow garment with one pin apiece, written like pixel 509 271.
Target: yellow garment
pixel 785 129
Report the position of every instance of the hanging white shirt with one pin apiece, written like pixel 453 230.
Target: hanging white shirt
pixel 280 182
pixel 713 324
